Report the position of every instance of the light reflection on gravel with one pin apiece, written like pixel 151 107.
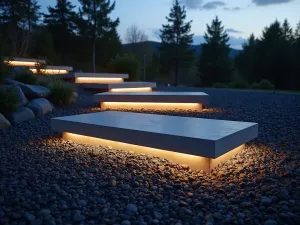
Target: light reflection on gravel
pixel 45 180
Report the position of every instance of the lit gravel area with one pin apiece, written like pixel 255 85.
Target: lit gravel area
pixel 45 180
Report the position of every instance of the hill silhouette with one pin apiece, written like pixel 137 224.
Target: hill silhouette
pixel 155 47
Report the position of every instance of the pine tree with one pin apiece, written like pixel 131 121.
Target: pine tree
pixel 274 56
pixel 214 63
pixel 61 15
pixel 61 24
pixel 96 23
pixel 296 56
pixel 297 31
pixel 245 60
pixel 287 31
pixel 43 46
pixel 11 11
pixel 176 40
pixel 17 18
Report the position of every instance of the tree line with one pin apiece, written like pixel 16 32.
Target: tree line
pixel 275 56
pixel 87 39
pixel 62 35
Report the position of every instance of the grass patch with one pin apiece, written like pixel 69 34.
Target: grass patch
pixel 239 83
pixel 263 85
pixel 219 85
pixel 26 77
pixel 61 93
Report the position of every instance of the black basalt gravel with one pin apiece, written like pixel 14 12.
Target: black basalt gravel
pixel 46 180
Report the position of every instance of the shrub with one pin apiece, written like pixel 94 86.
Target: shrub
pixel 43 80
pixel 219 85
pixel 239 83
pixel 125 64
pixel 9 100
pixel 263 85
pixel 26 77
pixel 61 93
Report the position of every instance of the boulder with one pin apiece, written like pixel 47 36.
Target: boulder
pixel 21 114
pixel 4 123
pixel 31 91
pixel 22 98
pixel 40 106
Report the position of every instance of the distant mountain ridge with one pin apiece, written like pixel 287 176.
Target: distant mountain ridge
pixel 155 46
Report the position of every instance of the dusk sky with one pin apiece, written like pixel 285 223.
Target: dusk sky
pixel 240 17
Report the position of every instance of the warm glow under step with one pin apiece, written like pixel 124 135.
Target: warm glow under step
pixel 52 70
pixel 24 62
pixel 152 100
pixel 99 78
pixel 122 86
pixel 200 143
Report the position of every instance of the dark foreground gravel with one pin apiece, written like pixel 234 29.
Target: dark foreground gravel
pixel 46 180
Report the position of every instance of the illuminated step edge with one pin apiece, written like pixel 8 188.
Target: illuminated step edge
pixel 99 78
pixel 122 86
pixel 193 161
pixel 152 100
pixel 101 75
pixel 24 61
pixel 202 145
pixel 52 70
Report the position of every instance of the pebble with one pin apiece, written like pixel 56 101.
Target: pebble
pixel 78 217
pixel 47 180
pixel 36 222
pixel 29 217
pixel 270 222
pixel 125 222
pixel 157 215
pixel 131 208
pixel 45 212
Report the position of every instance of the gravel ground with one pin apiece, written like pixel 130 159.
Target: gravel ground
pixel 45 180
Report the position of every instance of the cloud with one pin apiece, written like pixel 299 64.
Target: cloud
pixel 231 30
pixel 270 2
pixel 199 4
pixel 213 5
pixel 192 4
pixel 232 9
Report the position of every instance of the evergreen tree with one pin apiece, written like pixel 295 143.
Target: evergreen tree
pixel 274 56
pixel 42 46
pixel 287 31
pixel 96 23
pixel 297 31
pixel 296 57
pixel 11 11
pixel 31 17
pixel 61 24
pixel 176 40
pixel 17 18
pixel 245 61
pixel 214 63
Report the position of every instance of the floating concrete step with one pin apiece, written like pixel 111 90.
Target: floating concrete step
pixel 122 86
pixel 200 143
pixel 24 61
pixel 99 78
pixel 152 100
pixel 52 70
pixel 100 75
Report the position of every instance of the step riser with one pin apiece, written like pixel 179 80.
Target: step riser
pixel 151 106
